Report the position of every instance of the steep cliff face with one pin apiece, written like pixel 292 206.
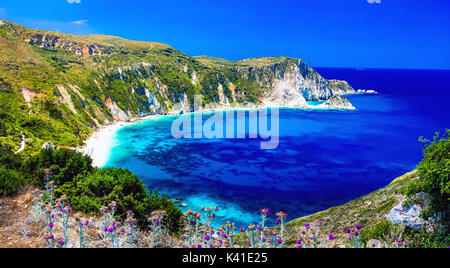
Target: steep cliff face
pixel 86 81
pixel 339 87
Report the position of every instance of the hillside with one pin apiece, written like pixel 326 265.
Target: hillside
pixel 366 211
pixel 60 87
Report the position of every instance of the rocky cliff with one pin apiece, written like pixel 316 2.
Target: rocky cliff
pixel 341 87
pixel 86 81
pixel 337 102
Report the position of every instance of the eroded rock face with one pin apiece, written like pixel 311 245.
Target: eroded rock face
pixel 53 41
pixel 337 102
pixel 339 87
pixel 116 112
pixel 410 216
pixel 287 77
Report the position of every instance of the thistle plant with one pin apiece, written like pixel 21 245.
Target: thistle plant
pixel 131 232
pixel 309 236
pixel 111 231
pixel 281 220
pixel 354 238
pixel 37 207
pixel 64 211
pixel 192 224
pixel 81 225
pixel 50 218
pixel 264 212
pixel 252 242
pixel 156 225
pixel 108 216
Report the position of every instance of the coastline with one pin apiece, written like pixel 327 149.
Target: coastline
pixel 99 144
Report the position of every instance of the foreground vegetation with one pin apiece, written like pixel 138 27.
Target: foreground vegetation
pixel 125 210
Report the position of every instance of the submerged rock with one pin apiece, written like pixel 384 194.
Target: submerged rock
pixel 337 102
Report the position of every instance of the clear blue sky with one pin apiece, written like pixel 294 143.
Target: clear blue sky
pixel 325 33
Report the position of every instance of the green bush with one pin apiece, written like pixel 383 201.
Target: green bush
pixel 66 166
pixel 383 231
pixel 102 186
pixel 434 172
pixel 10 181
pixel 424 239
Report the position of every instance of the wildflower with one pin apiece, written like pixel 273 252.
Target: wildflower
pixel 207 238
pixel 51 225
pixel 374 245
pixel 298 242
pixel 110 229
pixel 350 238
pixel 277 222
pixel 358 227
pixel 319 223
pixel 331 237
pixel 265 211
pixel 307 226
pixel 242 229
pixel 299 246
pixel 280 241
pixel 251 226
pixel 348 231
pixel 282 215
pixel 199 246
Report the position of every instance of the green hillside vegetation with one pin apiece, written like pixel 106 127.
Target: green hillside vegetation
pixel 59 87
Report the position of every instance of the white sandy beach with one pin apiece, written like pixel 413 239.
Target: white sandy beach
pixel 98 146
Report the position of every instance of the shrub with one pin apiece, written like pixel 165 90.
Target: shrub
pixel 424 239
pixel 102 186
pixel 66 166
pixel 434 172
pixel 10 181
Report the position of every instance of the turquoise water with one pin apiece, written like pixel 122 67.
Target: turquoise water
pixel 324 159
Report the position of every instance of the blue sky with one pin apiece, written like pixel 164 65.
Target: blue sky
pixel 326 33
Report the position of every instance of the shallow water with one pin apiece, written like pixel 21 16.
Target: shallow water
pixel 324 159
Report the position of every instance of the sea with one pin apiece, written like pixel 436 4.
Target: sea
pixel 325 158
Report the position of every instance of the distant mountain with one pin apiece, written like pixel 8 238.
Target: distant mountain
pixel 59 87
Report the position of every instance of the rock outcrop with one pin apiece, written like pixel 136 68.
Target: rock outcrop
pixel 337 102
pixel 409 216
pixel 339 87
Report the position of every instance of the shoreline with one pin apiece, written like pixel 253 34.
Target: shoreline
pixel 99 144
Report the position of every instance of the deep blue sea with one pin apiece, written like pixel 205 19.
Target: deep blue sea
pixel 324 159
